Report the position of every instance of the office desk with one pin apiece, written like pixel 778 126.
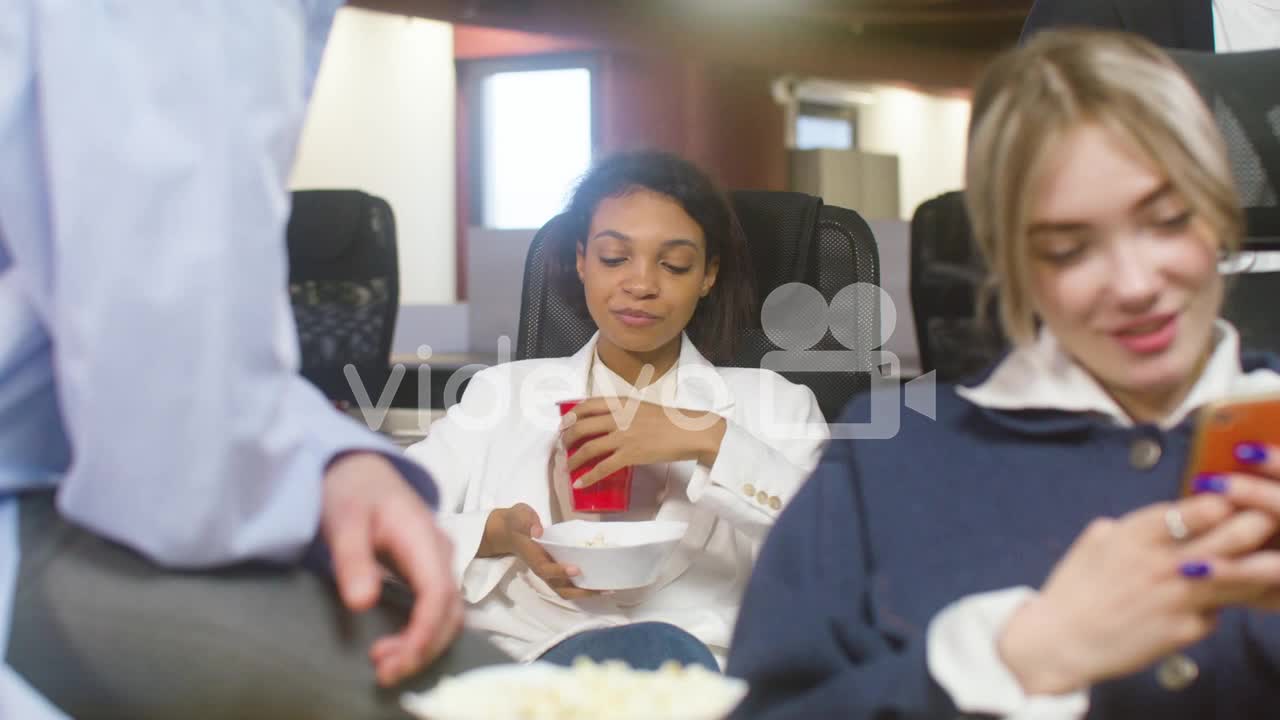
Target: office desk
pixel 425 382
pixel 403 426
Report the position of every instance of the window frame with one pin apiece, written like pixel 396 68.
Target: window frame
pixel 471 77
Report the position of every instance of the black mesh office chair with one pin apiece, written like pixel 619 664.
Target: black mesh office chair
pixel 946 268
pixel 344 288
pixel 947 272
pixel 1241 90
pixel 792 238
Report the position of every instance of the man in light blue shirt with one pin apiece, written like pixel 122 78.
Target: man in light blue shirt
pixel 147 382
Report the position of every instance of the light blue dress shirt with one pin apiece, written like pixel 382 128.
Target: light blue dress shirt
pixel 147 351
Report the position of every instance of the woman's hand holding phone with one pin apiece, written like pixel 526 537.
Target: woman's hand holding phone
pixel 1232 436
pixel 1236 454
pixel 1130 591
pixel 1255 499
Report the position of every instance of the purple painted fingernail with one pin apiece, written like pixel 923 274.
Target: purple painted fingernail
pixel 1210 484
pixel 1195 569
pixel 1251 453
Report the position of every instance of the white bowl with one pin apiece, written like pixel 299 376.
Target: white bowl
pixel 584 692
pixel 613 555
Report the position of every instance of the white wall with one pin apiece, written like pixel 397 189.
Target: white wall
pixel 381 120
pixel 926 132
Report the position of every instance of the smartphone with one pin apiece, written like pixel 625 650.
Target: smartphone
pixel 1222 425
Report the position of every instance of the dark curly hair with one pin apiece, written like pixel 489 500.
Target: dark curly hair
pixel 725 312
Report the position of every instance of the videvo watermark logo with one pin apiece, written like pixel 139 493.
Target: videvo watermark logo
pixel 796 318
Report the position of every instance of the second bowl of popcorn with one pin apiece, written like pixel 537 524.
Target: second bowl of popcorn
pixel 613 555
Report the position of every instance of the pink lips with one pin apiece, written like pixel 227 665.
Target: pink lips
pixel 1148 336
pixel 635 318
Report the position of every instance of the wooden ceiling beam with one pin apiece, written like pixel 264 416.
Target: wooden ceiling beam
pixel 887 12
pixel 941 16
pixel 832 52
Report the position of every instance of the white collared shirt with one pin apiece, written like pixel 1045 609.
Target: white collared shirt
pixel 962 639
pixel 1041 376
pixel 1243 25
pixel 605 382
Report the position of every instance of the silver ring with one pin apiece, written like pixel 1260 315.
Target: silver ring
pixel 1176 525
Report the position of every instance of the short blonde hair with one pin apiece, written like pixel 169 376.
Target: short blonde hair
pixel 1033 96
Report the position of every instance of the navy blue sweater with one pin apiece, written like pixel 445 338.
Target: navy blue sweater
pixel 886 533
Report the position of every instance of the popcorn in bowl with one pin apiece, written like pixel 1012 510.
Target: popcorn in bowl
pixel 587 691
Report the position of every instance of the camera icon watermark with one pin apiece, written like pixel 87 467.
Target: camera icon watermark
pixel 796 317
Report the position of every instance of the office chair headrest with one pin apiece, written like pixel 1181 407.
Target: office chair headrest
pixel 1242 92
pixel 779 227
pixel 324 224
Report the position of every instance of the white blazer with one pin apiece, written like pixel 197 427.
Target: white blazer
pixel 497 448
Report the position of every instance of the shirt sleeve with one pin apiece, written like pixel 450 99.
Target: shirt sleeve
pixel 810 644
pixel 149 232
pixel 454 451
pixel 763 460
pixel 807 640
pixel 963 658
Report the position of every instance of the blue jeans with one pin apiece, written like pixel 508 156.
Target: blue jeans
pixel 643 646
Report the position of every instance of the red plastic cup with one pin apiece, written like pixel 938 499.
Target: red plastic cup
pixel 611 494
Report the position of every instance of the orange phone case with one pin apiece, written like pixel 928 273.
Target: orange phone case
pixel 1222 425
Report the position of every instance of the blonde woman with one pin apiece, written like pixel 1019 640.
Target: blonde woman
pixel 1026 554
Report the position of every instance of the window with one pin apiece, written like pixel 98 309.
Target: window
pixel 534 143
pixel 815 131
pixel 824 127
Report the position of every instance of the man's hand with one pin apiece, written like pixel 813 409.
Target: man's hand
pixel 370 512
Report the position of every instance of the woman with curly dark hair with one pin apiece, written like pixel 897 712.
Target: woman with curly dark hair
pixel 650 250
